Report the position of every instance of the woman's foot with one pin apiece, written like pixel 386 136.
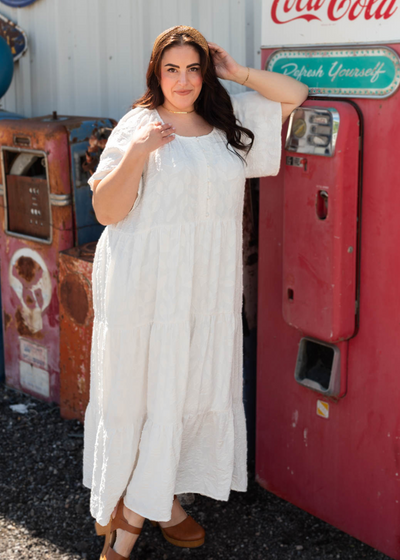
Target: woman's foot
pixel 178 514
pixel 181 530
pixel 125 541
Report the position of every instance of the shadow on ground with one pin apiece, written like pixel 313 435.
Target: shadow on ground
pixel 44 509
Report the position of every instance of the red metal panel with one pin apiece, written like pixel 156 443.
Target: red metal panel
pixel 319 255
pixel 29 280
pixel 76 325
pixel 345 468
pixel 29 268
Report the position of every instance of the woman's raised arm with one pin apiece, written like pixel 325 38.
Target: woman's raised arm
pixel 289 92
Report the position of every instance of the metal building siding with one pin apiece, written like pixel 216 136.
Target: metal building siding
pixel 89 57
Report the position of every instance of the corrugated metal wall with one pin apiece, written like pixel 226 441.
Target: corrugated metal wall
pixel 89 57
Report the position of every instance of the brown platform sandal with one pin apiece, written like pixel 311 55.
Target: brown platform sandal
pixel 186 534
pixel 110 532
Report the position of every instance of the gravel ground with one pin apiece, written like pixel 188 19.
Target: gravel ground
pixel 44 509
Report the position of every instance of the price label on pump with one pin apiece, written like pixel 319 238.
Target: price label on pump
pixel 323 409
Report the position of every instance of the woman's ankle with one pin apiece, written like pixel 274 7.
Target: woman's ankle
pixel 124 542
pixel 178 514
pixel 132 517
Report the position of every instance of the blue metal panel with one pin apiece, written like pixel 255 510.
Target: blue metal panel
pixel 6 66
pixel 87 227
pixel 7 115
pixel 17 3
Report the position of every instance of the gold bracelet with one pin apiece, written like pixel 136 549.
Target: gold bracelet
pixel 248 74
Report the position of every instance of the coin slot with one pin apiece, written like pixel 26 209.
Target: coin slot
pixel 322 205
pixel 22 141
pixel 290 294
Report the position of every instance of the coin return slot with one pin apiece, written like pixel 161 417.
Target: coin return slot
pixel 290 294
pixel 318 366
pixel 322 205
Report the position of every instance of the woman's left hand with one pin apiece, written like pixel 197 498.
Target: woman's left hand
pixel 225 66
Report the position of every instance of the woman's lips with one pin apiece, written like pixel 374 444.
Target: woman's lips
pixel 184 92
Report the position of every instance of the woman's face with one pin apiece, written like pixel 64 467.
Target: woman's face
pixel 181 79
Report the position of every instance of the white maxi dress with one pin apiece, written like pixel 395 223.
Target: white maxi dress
pixel 166 414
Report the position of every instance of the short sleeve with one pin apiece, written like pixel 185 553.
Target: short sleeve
pixel 116 146
pixel 264 118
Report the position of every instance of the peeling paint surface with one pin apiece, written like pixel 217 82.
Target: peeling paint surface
pixel 76 325
pixel 29 277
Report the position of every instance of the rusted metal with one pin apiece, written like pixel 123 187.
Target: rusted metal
pixel 29 275
pixel 76 324
pixel 64 143
pixel 74 298
pixel 44 136
pixel 7 320
pixel 26 268
pixel 40 170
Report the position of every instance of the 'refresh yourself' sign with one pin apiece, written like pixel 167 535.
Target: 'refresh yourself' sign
pixel 313 22
pixel 341 72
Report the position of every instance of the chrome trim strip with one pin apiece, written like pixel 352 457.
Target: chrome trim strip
pixel 60 199
pixel 37 239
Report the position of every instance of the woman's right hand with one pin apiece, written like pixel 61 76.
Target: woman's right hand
pixel 150 137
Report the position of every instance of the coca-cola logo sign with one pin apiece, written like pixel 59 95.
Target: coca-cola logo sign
pixel 285 11
pixel 318 22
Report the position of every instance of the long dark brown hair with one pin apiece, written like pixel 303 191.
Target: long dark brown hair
pixel 213 102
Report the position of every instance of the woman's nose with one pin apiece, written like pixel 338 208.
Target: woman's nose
pixel 182 78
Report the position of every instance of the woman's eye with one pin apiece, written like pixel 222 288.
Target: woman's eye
pixel 171 70
pixel 194 69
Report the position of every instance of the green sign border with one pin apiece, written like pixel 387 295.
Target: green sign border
pixel 335 54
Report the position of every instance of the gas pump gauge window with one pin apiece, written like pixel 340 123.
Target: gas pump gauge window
pixel 313 130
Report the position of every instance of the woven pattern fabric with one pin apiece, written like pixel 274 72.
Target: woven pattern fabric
pixel 165 414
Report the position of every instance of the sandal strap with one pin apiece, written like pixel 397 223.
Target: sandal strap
pixel 112 555
pixel 119 521
pixel 122 524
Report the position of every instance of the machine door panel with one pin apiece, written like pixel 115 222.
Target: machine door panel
pixel 321 183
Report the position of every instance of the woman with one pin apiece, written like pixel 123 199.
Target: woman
pixel 165 414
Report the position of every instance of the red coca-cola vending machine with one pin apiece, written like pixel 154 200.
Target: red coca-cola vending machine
pixel 328 357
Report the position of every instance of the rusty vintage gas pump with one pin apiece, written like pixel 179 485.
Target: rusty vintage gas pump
pixel 328 388
pixel 45 208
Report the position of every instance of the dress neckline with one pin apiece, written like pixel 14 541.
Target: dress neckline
pixel 189 137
